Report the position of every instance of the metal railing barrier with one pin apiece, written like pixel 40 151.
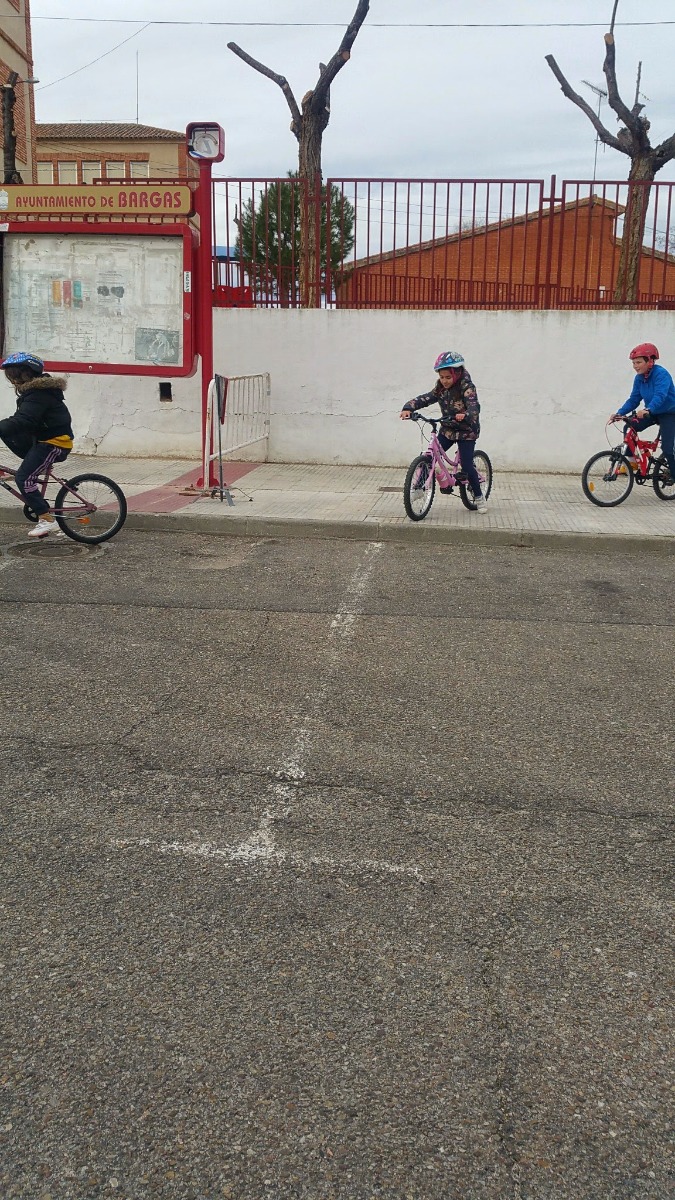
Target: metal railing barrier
pixel 237 415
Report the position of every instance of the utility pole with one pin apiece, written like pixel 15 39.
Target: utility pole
pixel 11 175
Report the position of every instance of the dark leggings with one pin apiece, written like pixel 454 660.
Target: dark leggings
pixel 36 461
pixel 666 421
pixel 466 450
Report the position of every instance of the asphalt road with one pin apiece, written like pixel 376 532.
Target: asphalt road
pixel 334 870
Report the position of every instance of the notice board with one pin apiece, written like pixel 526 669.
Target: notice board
pixel 106 301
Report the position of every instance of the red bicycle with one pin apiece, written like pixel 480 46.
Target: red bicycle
pixel 87 508
pixel 608 477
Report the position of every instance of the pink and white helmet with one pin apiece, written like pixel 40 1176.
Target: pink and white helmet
pixel 449 360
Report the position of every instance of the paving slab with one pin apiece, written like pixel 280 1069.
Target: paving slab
pixel 301 499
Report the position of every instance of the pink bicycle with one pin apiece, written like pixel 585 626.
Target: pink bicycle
pixel 87 508
pixel 419 488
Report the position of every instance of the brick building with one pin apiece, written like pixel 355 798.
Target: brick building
pixel 565 258
pixel 79 152
pixel 16 54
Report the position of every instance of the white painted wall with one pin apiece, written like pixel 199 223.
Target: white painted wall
pixel 546 382
pixel 122 415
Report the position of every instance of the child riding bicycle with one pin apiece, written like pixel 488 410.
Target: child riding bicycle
pixel 460 421
pixel 39 432
pixel 653 388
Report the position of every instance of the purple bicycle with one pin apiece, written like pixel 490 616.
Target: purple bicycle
pixel 87 508
pixel 419 488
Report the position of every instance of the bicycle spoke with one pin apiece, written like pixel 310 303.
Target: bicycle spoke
pixel 607 479
pixel 418 489
pixel 90 508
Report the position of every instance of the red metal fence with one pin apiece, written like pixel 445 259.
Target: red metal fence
pixel 445 243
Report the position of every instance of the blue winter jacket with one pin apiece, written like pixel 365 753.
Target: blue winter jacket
pixel 656 390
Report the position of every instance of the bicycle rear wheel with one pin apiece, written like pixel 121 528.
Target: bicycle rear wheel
pixel 607 479
pixel 90 508
pixel 484 467
pixel 419 488
pixel 664 484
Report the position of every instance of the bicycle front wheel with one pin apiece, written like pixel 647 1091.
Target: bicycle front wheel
pixel 90 508
pixel 664 484
pixel 484 467
pixel 607 479
pixel 419 488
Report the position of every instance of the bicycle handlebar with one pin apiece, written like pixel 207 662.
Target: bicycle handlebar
pixel 416 416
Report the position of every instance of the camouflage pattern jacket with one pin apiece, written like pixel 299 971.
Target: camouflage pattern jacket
pixel 460 398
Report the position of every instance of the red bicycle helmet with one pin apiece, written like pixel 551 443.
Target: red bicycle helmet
pixel 644 350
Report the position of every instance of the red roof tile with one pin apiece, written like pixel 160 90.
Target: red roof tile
pixel 112 131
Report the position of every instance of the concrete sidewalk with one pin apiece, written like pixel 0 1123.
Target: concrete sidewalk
pixel 282 500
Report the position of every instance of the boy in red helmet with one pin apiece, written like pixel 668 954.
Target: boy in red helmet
pixel 653 388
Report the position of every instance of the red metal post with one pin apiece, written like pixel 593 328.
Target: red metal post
pixel 317 235
pixel 549 245
pixel 204 296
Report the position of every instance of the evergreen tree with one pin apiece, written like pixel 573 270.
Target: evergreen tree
pixel 268 238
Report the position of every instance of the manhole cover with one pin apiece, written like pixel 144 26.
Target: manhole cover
pixel 60 549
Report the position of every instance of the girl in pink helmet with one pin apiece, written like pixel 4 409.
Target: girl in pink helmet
pixel 460 419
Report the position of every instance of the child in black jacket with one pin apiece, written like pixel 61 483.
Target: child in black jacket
pixel 39 432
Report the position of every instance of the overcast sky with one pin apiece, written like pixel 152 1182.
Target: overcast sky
pixel 412 102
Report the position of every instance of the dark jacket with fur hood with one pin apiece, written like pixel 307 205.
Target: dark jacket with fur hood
pixel 41 412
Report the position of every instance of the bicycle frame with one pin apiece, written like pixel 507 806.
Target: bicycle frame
pixel 446 469
pixel 641 450
pixel 81 509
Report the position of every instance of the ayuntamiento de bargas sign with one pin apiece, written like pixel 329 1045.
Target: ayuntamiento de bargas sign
pixel 92 199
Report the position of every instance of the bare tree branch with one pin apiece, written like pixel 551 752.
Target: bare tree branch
pixel 310 119
pixel 322 67
pixel 341 56
pixel 622 111
pixel 664 152
pixel 278 79
pixel 632 140
pixel 604 134
pixel 611 24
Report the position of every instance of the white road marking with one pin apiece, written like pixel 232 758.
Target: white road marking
pixel 291 771
pixel 251 852
pixel 261 846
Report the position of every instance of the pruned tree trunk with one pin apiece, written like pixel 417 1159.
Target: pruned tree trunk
pixel 308 124
pixel 632 139
pixel 309 172
pixel 11 175
pixel 628 278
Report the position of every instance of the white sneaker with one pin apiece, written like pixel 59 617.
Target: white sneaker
pixel 43 529
pixel 481 504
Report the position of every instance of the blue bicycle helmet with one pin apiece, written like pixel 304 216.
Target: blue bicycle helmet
pixel 22 359
pixel 449 360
